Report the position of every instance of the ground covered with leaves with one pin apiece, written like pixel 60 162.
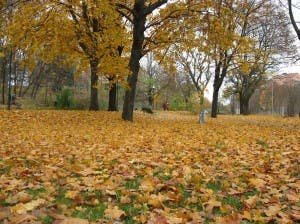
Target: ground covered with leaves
pixel 92 167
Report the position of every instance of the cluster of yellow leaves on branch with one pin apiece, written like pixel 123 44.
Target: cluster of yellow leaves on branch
pixel 92 167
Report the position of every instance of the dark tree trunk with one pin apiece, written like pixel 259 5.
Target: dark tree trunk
pixel 9 80
pixel 150 101
pixel 113 91
pixel 15 79
pixel 214 106
pixel 220 73
pixel 140 12
pixel 3 80
pixel 112 102
pixel 94 105
pixel 134 62
pixel 244 105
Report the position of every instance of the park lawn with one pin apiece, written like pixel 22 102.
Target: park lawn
pixel 92 167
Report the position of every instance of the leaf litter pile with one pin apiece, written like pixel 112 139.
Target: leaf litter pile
pixel 92 167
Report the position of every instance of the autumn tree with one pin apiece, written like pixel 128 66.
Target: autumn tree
pixel 270 37
pixel 223 31
pixel 194 63
pixel 149 30
pixel 88 27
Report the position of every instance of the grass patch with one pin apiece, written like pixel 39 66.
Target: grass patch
pixel 91 213
pixel 216 186
pixel 197 206
pixel 232 201
pixel 35 193
pixel 251 193
pixel 262 143
pixel 61 199
pixel 131 210
pixel 132 184
pixel 46 219
pixel 162 175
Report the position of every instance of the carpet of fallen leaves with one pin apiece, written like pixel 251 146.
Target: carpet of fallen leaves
pixel 92 167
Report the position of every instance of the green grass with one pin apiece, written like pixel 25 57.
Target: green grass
pixel 232 201
pixel 35 193
pixel 132 184
pixel 216 186
pixel 262 143
pixel 46 219
pixel 251 193
pixel 61 199
pixel 91 213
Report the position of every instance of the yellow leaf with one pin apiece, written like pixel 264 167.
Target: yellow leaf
pixel 71 194
pixel 114 213
pixel 211 204
pixel 256 182
pixel 148 185
pixel 247 215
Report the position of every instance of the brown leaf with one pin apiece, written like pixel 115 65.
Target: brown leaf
pixel 272 210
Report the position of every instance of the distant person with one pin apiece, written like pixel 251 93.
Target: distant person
pixel 165 105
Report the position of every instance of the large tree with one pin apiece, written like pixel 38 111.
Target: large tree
pixel 149 31
pixel 271 41
pixel 137 14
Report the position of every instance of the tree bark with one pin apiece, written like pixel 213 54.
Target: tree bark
pixel 244 105
pixel 214 106
pixel 220 73
pixel 94 104
pixel 113 91
pixel 112 101
pixel 3 80
pixel 134 62
pixel 9 80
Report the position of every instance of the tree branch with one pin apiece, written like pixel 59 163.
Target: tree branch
pixel 154 6
pixel 295 26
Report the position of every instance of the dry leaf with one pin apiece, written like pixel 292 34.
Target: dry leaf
pixel 114 213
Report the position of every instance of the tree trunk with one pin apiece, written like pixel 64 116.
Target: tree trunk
pixel 9 80
pixel 113 91
pixel 244 105
pixel 214 108
pixel 15 79
pixel 112 101
pixel 94 105
pixel 3 80
pixel 220 73
pixel 134 62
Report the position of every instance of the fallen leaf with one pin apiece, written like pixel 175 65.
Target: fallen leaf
pixel 211 204
pixel 272 210
pixel 256 182
pixel 114 213
pixel 148 185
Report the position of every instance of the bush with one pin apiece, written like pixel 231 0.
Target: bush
pixel 64 99
pixel 177 103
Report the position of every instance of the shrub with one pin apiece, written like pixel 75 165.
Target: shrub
pixel 64 99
